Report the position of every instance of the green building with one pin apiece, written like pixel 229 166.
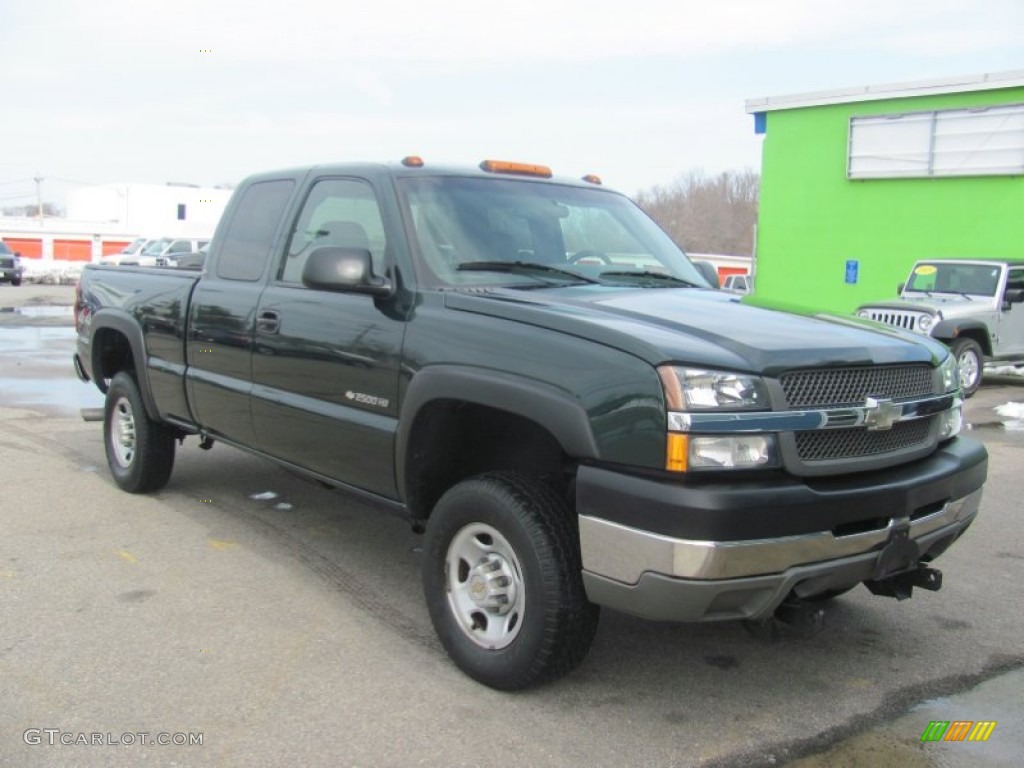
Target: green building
pixel 857 184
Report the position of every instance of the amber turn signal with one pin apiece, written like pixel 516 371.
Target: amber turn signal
pixel 524 169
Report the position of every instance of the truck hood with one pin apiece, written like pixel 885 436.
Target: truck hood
pixel 701 327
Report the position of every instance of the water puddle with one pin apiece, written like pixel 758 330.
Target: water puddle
pixel 900 742
pixel 62 395
pixel 36 370
pixel 40 311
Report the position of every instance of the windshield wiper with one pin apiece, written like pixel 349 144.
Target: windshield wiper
pixel 663 276
pixel 522 268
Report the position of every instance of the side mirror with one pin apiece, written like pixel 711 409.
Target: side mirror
pixel 708 272
pixel 347 270
pixel 899 288
pixel 1014 296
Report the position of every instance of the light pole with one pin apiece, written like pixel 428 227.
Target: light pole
pixel 39 197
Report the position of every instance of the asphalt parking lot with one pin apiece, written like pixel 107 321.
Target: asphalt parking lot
pixel 282 624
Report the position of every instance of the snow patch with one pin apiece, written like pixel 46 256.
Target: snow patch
pixel 1013 413
pixel 1005 370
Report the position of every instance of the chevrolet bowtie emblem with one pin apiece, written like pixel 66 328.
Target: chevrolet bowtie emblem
pixel 881 413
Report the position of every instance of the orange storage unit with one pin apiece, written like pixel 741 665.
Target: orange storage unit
pixel 114 246
pixel 72 250
pixel 28 247
pixel 724 272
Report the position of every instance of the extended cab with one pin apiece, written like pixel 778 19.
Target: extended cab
pixel 973 305
pixel 533 374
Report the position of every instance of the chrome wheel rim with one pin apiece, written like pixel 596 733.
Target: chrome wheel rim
pixel 486 593
pixel 969 369
pixel 122 432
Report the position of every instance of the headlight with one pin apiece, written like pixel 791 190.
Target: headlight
pixel 688 453
pixel 924 323
pixel 693 389
pixel 950 375
pixel 864 313
pixel 950 423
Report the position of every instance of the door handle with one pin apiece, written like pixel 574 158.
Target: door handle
pixel 268 321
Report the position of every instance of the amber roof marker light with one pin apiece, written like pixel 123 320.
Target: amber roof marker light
pixel 522 169
pixel 591 178
pixel 412 161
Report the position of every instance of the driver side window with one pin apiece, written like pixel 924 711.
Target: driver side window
pixel 342 213
pixel 1015 279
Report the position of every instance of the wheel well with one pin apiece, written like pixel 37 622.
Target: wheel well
pixel 977 334
pixel 452 440
pixel 111 354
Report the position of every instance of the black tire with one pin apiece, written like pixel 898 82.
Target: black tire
pixel 16 282
pixel 969 361
pixel 515 548
pixel 140 451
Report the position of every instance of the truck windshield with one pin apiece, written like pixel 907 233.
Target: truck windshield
pixel 953 277
pixel 462 225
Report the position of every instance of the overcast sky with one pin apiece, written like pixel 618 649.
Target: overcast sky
pixel 636 91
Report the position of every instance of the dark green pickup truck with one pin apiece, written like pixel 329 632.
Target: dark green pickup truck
pixel 533 374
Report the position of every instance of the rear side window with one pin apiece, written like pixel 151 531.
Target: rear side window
pixel 249 237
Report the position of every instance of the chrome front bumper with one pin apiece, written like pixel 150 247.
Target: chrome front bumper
pixel 660 577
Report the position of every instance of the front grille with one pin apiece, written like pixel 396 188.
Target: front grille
pixel 6 262
pixel 896 317
pixel 825 387
pixel 830 444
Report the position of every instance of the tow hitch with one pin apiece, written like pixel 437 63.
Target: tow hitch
pixel 793 617
pixel 901 585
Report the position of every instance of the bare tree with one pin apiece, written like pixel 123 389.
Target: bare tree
pixel 707 214
pixel 32 210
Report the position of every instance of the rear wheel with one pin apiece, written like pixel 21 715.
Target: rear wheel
pixel 969 361
pixel 501 576
pixel 140 451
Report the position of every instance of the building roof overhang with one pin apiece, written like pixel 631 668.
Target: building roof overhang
pixel 983 82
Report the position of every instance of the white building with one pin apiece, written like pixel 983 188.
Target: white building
pixel 169 210
pixel 104 219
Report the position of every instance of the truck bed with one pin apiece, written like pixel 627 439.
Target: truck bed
pixel 150 306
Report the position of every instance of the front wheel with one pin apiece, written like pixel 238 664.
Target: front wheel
pixel 969 361
pixel 140 451
pixel 501 576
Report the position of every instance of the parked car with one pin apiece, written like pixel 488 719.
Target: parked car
pixel 537 378
pixel 178 256
pixel 158 252
pixel 11 269
pixel 737 284
pixel 132 250
pixel 973 305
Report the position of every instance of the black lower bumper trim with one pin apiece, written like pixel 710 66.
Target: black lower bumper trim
pixel 761 508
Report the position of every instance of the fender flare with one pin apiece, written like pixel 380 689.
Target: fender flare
pixel 553 409
pixel 123 323
pixel 947 331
